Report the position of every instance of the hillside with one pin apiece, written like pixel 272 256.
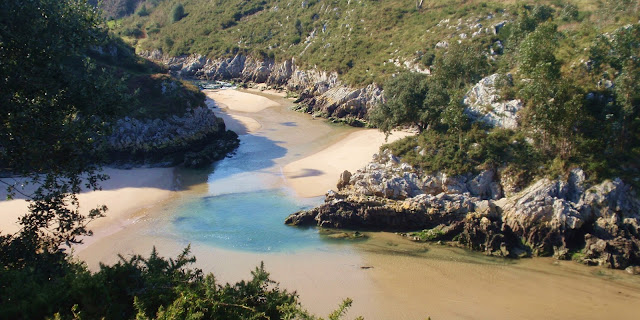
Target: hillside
pixel 364 41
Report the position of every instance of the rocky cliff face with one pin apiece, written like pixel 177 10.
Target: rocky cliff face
pixel 196 139
pixel 566 218
pixel 321 92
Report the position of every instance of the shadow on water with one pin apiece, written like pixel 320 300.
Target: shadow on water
pixel 289 124
pixel 254 154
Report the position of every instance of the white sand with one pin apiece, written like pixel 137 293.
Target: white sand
pixel 127 193
pixel 239 101
pixel 316 174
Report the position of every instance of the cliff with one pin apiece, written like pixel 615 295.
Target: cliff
pixel 195 139
pixel 321 92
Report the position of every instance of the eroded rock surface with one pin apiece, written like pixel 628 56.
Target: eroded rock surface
pixel 567 218
pixel 321 92
pixel 485 104
pixel 195 139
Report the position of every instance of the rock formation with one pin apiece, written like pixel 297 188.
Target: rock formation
pixel 320 92
pixel 566 218
pixel 196 139
pixel 485 104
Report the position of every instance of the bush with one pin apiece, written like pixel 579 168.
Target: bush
pixel 177 13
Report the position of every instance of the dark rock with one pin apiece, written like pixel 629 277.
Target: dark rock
pixel 345 177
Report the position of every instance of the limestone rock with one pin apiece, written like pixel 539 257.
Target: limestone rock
pixel 484 104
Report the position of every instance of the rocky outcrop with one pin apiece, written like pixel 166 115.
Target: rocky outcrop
pixel 321 93
pixel 566 218
pixel 196 139
pixel 485 104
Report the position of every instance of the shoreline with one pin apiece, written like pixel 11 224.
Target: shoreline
pixel 315 174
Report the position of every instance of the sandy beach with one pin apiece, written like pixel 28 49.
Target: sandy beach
pixel 387 276
pixel 316 174
pixel 127 194
pixel 239 101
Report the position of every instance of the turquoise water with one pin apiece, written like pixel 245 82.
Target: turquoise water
pixel 250 221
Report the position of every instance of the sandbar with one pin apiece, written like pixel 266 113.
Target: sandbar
pixel 316 174
pixel 239 101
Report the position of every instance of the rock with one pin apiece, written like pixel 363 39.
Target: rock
pixel 633 269
pixel 345 177
pixel 320 92
pixel 498 26
pixel 195 139
pixel 548 218
pixel 484 104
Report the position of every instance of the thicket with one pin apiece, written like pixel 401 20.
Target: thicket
pixel 579 87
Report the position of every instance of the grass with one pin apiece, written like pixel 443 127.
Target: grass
pixel 357 39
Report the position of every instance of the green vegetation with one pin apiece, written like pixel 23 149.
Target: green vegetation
pixel 578 84
pixel 177 13
pixel 358 39
pixel 428 234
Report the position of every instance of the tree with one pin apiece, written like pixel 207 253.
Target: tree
pixel 177 13
pixel 554 103
pixel 404 96
pixel 55 103
pixel 618 58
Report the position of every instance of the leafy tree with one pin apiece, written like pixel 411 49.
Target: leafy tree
pixel 404 96
pixel 618 57
pixel 554 103
pixel 177 13
pixel 55 101
pixel 143 12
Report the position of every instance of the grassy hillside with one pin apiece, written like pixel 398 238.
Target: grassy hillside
pixel 147 88
pixel 364 40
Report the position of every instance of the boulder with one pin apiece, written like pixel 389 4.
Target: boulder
pixel 485 104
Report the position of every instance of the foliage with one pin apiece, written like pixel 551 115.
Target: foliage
pixel 413 99
pixel 54 102
pixel 144 288
pixel 404 96
pixel 471 151
pixel 177 13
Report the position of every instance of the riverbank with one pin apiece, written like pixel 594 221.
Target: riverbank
pixel 314 175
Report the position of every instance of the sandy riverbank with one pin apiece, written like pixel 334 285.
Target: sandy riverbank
pixel 316 174
pixel 239 101
pixel 127 194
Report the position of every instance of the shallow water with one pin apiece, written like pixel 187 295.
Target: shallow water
pixel 250 221
pixel 232 216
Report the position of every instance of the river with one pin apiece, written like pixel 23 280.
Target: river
pixel 232 216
